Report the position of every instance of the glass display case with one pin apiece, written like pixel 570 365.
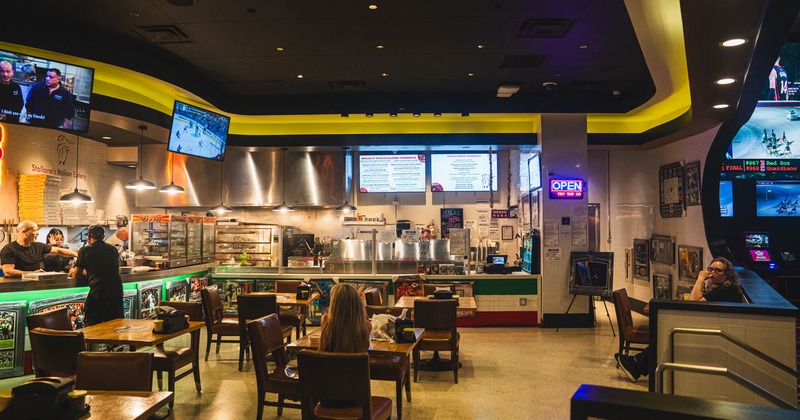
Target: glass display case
pixel 194 240
pixel 246 244
pixel 160 239
pixel 208 250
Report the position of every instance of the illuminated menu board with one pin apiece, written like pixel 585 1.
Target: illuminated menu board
pixel 452 172
pixel 392 173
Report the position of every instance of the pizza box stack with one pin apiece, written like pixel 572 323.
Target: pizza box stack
pixel 74 214
pixel 38 198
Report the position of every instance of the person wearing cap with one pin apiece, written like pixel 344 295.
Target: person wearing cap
pixel 100 262
pixel 25 255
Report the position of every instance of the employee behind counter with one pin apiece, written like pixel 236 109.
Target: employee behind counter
pixel 25 255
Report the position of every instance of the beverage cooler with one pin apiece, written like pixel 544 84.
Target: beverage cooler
pixel 194 240
pixel 531 252
pixel 208 249
pixel 160 238
pixel 247 244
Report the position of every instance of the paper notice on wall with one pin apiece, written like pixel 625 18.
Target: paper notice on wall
pixel 580 211
pixel 579 232
pixel 494 233
pixel 550 232
pixel 484 218
pixel 387 236
pixel 483 232
pixel 482 205
pixel 470 224
pixel 566 232
pixel 552 254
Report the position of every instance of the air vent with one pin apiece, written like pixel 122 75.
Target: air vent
pixel 544 28
pixel 162 34
pixel 348 86
pixel 522 61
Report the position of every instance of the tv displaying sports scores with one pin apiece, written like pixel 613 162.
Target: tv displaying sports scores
pixel 455 172
pixel 198 132
pixel 591 273
pixel 382 173
pixel 760 255
pixel 726 198
pixel 41 92
pixel 756 240
pixel 777 199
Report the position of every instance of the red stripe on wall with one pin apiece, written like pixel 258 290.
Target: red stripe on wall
pixel 501 319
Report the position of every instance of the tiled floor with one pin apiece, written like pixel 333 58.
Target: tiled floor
pixel 519 373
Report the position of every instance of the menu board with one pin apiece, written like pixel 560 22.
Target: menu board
pixel 452 172
pixel 451 219
pixel 392 173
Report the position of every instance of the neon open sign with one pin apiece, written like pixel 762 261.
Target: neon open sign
pixel 566 188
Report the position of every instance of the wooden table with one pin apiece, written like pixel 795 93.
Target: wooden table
pixel 288 299
pixel 464 303
pixel 133 332
pixel 311 342
pixel 125 404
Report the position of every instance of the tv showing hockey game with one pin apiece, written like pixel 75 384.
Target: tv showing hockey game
pixel 198 132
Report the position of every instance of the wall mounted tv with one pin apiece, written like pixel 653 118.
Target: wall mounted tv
pixel 726 198
pixel 27 99
pixel 777 199
pixel 591 273
pixel 198 132
pixel 535 172
pixel 382 173
pixel 456 172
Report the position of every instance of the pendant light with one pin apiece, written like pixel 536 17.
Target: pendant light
pixel 220 208
pixel 172 188
pixel 283 207
pixel 141 184
pixel 346 206
pixel 76 197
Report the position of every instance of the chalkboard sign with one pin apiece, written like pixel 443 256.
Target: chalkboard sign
pixel 451 218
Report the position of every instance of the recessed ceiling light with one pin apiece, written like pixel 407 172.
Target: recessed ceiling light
pixel 380 47
pixel 583 47
pixel 471 74
pixel 279 49
pixel 416 114
pixel 373 7
pixel 481 46
pixel 721 106
pixel 369 115
pixel 299 76
pixel 465 114
pixel 134 14
pixel 106 137
pixel 437 114
pixel 392 114
pixel 345 115
pixel 725 81
pixel 735 42
pixel 385 74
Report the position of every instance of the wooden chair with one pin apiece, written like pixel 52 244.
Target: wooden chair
pixel 55 352
pixel 338 377
pixel 215 322
pixel 429 288
pixel 54 320
pixel 170 359
pixel 288 315
pixel 266 338
pixel 373 297
pixel 438 317
pixel 629 334
pixel 252 306
pixel 114 371
pixel 374 310
pixel 395 368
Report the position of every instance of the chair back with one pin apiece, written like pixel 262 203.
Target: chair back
pixel 622 306
pixel 212 305
pixel 334 377
pixel 114 371
pixel 193 309
pixel 435 314
pixel 54 320
pixel 266 338
pixel 252 306
pixel 373 297
pixel 429 288
pixel 377 310
pixel 55 352
pixel 286 286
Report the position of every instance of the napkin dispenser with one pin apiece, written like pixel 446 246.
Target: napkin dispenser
pixel 40 398
pixel 442 293
pixel 303 291
pixel 174 320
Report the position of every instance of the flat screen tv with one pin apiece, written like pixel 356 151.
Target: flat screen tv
pixel 391 173
pixel 777 199
pixel 756 240
pixel 455 172
pixel 535 172
pixel 198 132
pixel 591 273
pixel 726 198
pixel 760 255
pixel 30 79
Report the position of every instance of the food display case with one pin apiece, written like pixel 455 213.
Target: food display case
pixel 194 240
pixel 247 244
pixel 160 238
pixel 208 250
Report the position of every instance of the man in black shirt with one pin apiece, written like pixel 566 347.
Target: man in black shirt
pixel 101 263
pixel 10 94
pixel 25 255
pixel 49 103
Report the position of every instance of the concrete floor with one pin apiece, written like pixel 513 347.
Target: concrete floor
pixel 520 373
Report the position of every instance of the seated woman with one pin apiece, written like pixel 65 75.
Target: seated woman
pixel 54 262
pixel 345 328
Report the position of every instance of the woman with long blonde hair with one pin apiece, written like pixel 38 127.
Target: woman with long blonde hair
pixel 345 327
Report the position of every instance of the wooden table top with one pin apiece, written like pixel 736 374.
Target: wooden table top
pixel 288 299
pixel 464 303
pixel 125 404
pixel 311 342
pixel 134 332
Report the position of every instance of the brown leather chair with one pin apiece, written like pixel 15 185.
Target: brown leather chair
pixel 373 297
pixel 266 338
pixel 374 310
pixel 328 376
pixel 215 322
pixel 429 288
pixel 114 371
pixel 54 320
pixel 55 352
pixel 253 306
pixel 395 368
pixel 289 315
pixel 438 317
pixel 629 334
pixel 170 359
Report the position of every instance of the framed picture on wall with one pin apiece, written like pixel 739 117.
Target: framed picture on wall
pixel 525 211
pixel 662 286
pixel 692 180
pixel 662 249
pixel 535 209
pixel 690 261
pixel 671 190
pixel 641 259
pixel 507 233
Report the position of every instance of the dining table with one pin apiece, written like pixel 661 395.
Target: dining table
pixel 132 332
pixel 135 405
pixel 288 298
pixel 465 303
pixel 311 342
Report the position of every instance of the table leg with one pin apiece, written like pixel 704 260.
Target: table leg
pixel 436 364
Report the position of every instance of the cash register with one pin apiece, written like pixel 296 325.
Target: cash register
pixel 496 264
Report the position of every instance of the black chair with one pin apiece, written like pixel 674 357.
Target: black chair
pixel 266 338
pixel 629 334
pixel 288 315
pixel 438 317
pixel 373 297
pixel 55 352
pixel 170 359
pixel 254 306
pixel 54 320
pixel 338 377
pixel 114 371
pixel 215 322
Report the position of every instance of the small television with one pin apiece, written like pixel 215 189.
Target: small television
pixel 496 259
pixel 777 199
pixel 28 85
pixel 788 256
pixel 760 255
pixel 726 198
pixel 591 273
pixel 457 172
pixel 535 172
pixel 198 132
pixel 756 240
pixel 391 173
